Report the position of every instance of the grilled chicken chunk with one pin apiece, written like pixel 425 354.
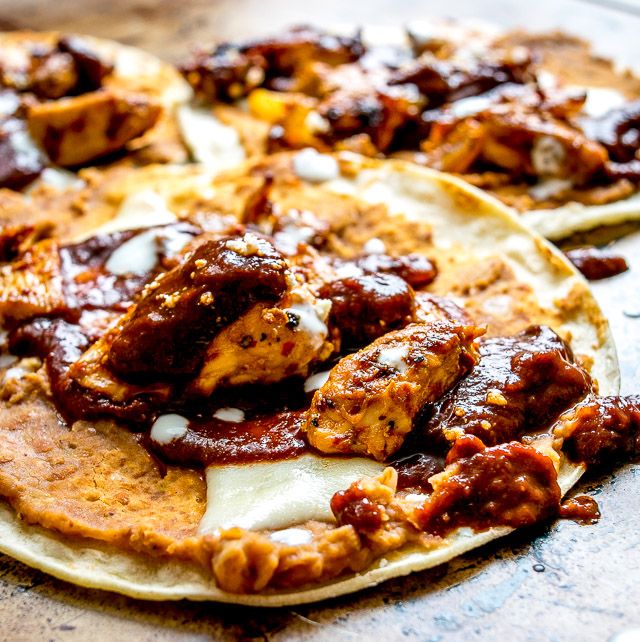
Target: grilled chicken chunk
pixel 269 343
pixel 79 129
pixel 234 312
pixel 33 284
pixel 371 398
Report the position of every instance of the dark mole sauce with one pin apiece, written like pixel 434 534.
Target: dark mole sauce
pixel 510 484
pixel 271 428
pixel 213 441
pixel 168 333
pixel 595 263
pixel 520 383
pixel 582 509
pixel 603 430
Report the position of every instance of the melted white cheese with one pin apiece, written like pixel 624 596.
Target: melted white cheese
pixel 280 494
pixel 600 100
pixel 292 536
pixel 470 106
pixel 232 415
pixel 549 187
pixel 60 178
pixel 316 381
pixel 168 428
pixel 14 373
pixel 141 209
pixel 312 166
pixel 289 237
pixel 138 255
pixel 548 156
pixel 374 246
pixel 311 318
pixel 211 143
pixel 395 358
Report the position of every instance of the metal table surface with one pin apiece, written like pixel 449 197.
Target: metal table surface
pixel 559 581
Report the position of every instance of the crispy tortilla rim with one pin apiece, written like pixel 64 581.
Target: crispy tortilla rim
pixel 456 210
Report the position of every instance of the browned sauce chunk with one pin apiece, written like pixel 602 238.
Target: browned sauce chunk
pixel 582 509
pixel 601 430
pixel 521 383
pixel 595 263
pixel 509 485
pixel 366 307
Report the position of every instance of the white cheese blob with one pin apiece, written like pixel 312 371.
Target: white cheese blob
pixel 232 415
pixel 138 255
pixel 280 494
pixel 498 305
pixel 27 152
pixel 374 246
pixel 316 123
pixel 145 208
pixel 14 373
pixel 168 428
pixel 310 318
pixel 550 187
pixel 348 271
pixel 548 156
pixel 60 178
pixel 470 106
pixel 289 237
pixel 211 143
pixel 292 536
pixel 314 167
pixel 601 100
pixel 395 358
pixel 316 380
pixel 173 241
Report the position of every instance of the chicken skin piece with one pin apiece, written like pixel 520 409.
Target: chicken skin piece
pixel 79 129
pixel 369 403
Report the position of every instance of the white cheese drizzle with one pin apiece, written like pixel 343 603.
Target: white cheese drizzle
pixel 312 166
pixel 374 246
pixel 395 358
pixel 292 536
pixel 232 415
pixel 168 428
pixel 316 380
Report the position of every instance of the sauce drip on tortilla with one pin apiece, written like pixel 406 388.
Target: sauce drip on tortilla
pixel 582 509
pixel 595 263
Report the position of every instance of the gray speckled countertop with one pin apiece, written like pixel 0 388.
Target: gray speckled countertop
pixel 559 581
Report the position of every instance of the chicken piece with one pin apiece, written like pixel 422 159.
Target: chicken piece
pixel 372 397
pixel 517 139
pixel 269 343
pixel 230 71
pixel 233 312
pixel 182 311
pixel 80 129
pixel 366 307
pixel 33 284
pixel 446 81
